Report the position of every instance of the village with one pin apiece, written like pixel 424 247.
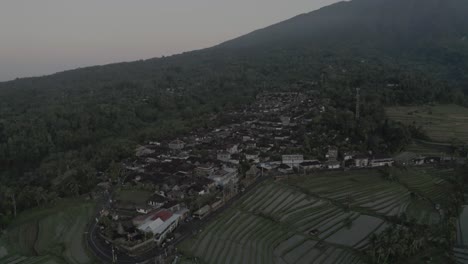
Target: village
pixel 186 179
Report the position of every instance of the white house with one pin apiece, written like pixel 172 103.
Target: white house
pixel 177 145
pixel 204 170
pixel 159 223
pixel 225 176
pixel 232 149
pixel 381 161
pixel 361 161
pixel 293 160
pixel 331 165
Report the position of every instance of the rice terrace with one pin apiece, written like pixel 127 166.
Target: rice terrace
pixel 442 123
pixel 52 235
pixel 329 217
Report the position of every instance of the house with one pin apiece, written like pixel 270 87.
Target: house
pixel 207 183
pixel 418 161
pixel 144 209
pixel 285 120
pixel 225 176
pixel 264 147
pixel 202 212
pixel 332 153
pixel 250 144
pixel 332 165
pixel 159 223
pixel 216 205
pixel 157 201
pixel 204 170
pixel 361 161
pixel 172 206
pixel 252 156
pixel 381 161
pixel 176 195
pixel 348 156
pixel 309 165
pixel 142 151
pixel 232 148
pixel 432 160
pixel 224 156
pixel 176 145
pixel 292 160
pixel 198 189
pixel 285 168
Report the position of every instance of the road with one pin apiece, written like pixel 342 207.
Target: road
pixel 103 251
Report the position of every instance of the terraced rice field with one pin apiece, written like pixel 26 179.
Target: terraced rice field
pixel 38 234
pixel 16 259
pixel 442 122
pixel 428 182
pixel 323 218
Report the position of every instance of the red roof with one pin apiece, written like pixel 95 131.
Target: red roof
pixel 163 214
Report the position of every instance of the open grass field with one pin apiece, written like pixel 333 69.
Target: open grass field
pixel 53 235
pixel 443 123
pixel 134 196
pixel 322 218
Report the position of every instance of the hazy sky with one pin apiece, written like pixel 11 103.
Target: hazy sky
pixel 39 37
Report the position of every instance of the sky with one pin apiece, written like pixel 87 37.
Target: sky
pixel 40 37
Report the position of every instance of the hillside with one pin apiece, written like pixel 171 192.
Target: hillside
pixel 378 24
pixel 79 123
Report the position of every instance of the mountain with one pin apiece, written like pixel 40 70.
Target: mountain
pixel 431 32
pixel 386 24
pixel 79 123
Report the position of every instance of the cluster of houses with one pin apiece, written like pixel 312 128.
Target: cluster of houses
pixel 195 174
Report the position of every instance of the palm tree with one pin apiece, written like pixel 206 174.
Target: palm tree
pixel 10 192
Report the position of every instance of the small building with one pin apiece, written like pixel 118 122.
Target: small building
pixel 172 206
pixel 310 165
pixel 333 165
pixel 253 156
pixel 285 168
pixel 159 223
pixel 198 190
pixel 225 176
pixel 432 160
pixel 332 153
pixel 157 201
pixel 224 156
pixel 418 161
pixel 176 195
pixel 285 120
pixel 177 145
pixel 292 160
pixel 361 161
pixel 232 148
pixel 204 170
pixel 142 151
pixel 144 209
pixel 381 161
pixel 202 212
